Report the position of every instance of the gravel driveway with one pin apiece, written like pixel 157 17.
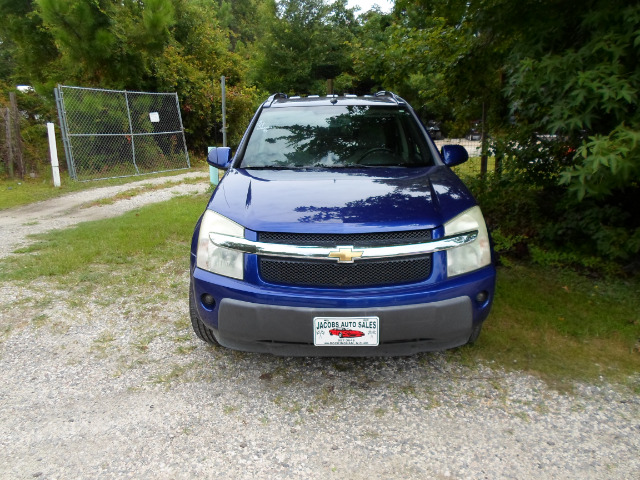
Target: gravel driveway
pixel 117 386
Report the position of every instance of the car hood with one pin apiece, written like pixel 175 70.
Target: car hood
pixel 340 200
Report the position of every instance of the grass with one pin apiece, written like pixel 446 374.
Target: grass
pixel 471 168
pixel 15 193
pixel 561 326
pixel 555 324
pixel 138 240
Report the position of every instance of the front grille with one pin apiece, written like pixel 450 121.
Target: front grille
pixel 355 239
pixel 361 273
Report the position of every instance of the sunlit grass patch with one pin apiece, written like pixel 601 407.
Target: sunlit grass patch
pixel 472 167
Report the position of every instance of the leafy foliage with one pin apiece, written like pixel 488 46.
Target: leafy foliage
pixel 305 43
pixel 589 87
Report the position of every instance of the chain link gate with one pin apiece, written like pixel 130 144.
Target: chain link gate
pixel 115 133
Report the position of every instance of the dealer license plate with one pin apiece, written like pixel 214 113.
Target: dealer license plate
pixel 346 331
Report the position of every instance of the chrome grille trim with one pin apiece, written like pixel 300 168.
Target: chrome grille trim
pixel 323 253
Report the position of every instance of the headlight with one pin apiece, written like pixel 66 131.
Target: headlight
pixel 212 258
pixel 474 255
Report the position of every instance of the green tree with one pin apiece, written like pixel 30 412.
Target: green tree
pixel 27 49
pixel 155 45
pixel 582 81
pixel 241 18
pixel 106 42
pixel 561 87
pixel 192 63
pixel 305 42
pixel 434 53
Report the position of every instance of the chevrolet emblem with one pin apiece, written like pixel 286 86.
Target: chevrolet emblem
pixel 345 254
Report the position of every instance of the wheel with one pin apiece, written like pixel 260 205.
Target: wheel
pixel 475 334
pixel 340 335
pixel 202 331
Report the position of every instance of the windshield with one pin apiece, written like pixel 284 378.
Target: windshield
pixel 336 136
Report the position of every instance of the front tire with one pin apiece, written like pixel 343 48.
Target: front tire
pixel 203 332
pixel 475 333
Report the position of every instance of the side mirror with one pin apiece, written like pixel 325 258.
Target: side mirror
pixel 454 155
pixel 219 157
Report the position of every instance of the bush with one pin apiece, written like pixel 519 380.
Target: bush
pixel 534 159
pixel 608 230
pixel 551 227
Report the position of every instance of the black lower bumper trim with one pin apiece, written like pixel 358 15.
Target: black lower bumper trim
pixel 288 331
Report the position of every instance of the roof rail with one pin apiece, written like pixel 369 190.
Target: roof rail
pixel 273 98
pixel 385 93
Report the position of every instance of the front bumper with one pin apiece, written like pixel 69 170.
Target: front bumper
pixel 279 320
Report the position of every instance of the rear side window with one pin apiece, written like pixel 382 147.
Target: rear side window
pixel 336 136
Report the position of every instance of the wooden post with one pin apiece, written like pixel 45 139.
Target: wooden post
pixel 7 124
pixel 16 130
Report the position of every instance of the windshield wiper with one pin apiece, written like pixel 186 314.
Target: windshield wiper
pixel 374 165
pixel 269 167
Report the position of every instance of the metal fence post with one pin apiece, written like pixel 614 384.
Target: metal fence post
pixel 133 146
pixel 224 111
pixel 64 132
pixel 184 142
pixel 483 143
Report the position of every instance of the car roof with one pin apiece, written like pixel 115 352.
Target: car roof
pixel 381 98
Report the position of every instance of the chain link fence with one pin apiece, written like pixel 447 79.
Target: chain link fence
pixel 114 133
pixel 473 167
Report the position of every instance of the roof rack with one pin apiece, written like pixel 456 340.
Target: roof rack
pixel 386 93
pixel 273 98
pixel 334 97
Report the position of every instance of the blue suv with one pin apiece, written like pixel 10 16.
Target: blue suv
pixel 340 230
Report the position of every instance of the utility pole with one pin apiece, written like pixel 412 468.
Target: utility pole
pixel 483 143
pixel 224 111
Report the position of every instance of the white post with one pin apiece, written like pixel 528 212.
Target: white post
pixel 54 155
